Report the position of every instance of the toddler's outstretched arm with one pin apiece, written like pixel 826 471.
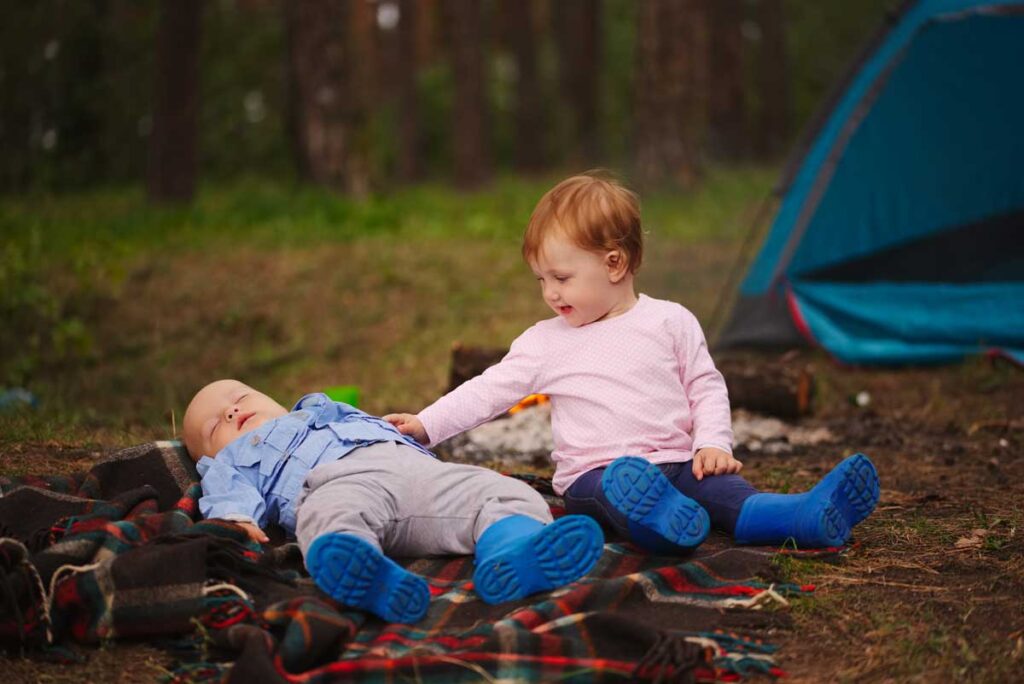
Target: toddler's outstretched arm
pixel 408 424
pixel 479 399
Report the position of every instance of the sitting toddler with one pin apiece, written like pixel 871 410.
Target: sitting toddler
pixel 639 414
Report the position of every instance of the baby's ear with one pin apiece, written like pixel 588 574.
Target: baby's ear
pixel 617 264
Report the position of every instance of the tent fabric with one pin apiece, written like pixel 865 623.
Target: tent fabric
pixel 900 231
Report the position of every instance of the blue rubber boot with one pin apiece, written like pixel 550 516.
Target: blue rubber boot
pixel 518 556
pixel 661 518
pixel 822 517
pixel 357 574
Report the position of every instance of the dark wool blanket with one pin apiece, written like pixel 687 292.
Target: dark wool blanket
pixel 120 551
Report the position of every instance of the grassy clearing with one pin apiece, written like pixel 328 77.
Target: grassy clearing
pixel 119 311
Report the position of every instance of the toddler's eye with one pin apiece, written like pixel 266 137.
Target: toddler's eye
pixel 561 279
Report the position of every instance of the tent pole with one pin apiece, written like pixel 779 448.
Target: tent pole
pixel 726 294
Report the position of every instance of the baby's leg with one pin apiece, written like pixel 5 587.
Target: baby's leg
pixel 345 511
pixel 450 508
pixel 444 508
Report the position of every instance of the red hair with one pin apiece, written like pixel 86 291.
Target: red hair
pixel 596 213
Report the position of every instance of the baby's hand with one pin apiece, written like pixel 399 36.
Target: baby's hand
pixel 254 532
pixel 409 424
pixel 712 461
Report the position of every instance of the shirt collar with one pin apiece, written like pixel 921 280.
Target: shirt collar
pixel 323 410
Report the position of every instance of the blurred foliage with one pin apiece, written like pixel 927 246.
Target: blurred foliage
pixel 76 88
pixel 71 262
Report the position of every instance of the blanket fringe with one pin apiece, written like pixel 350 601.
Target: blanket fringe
pixel 767 597
pixel 37 581
pixel 225 586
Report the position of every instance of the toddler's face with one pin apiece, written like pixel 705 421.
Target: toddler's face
pixel 221 412
pixel 579 285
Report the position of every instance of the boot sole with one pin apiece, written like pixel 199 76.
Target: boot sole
pixel 640 491
pixel 556 555
pixel 852 500
pixel 355 573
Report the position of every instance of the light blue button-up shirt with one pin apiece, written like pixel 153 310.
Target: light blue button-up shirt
pixel 260 474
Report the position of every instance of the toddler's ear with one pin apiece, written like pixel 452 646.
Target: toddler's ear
pixel 617 264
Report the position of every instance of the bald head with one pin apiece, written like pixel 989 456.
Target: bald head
pixel 223 411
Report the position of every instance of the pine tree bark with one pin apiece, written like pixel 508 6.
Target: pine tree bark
pixel 173 145
pixel 471 157
pixel 529 107
pixel 578 32
pixel 668 93
pixel 773 80
pixel 328 108
pixel 409 167
pixel 726 101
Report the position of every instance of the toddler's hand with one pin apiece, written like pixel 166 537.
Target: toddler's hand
pixel 254 532
pixel 712 461
pixel 409 424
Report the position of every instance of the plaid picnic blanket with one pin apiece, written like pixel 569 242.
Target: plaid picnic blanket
pixel 120 551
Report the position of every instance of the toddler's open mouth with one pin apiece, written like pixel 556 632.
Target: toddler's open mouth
pixel 565 310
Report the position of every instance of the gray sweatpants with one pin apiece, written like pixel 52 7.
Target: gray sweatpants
pixel 409 504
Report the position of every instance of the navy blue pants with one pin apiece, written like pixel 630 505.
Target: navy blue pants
pixel 722 496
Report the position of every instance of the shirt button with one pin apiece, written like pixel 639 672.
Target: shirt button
pixel 255 440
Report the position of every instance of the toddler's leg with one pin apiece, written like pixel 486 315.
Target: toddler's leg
pixel 722 496
pixel 822 517
pixel 635 498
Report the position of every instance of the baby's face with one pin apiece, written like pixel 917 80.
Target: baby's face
pixel 221 412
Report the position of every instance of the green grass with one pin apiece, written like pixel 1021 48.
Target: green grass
pixel 117 222
pixel 116 310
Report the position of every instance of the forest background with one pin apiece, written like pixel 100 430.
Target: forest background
pixel 311 193
pixel 328 192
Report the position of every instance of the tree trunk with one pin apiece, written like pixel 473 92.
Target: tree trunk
pixel 578 32
pixel 773 80
pixel 726 104
pixel 469 130
pixel 328 98
pixel 409 168
pixel 667 98
pixel 529 107
pixel 173 146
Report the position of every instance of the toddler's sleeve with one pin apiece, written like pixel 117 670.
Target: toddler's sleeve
pixel 493 392
pixel 705 388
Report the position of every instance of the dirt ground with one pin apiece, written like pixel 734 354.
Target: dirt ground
pixel 932 588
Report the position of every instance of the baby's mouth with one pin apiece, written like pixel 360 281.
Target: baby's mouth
pixel 244 418
pixel 565 310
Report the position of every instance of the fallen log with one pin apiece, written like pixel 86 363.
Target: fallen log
pixel 780 387
pixel 774 387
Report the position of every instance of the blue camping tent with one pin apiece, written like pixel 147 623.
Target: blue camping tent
pixel 900 230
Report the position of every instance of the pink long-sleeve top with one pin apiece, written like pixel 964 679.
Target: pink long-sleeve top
pixel 641 384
